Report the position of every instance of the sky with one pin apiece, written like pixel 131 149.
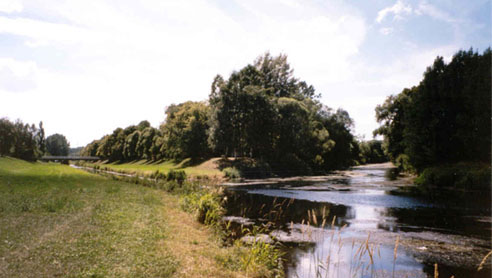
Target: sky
pixel 87 67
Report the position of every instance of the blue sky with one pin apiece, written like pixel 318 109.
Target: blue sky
pixel 87 67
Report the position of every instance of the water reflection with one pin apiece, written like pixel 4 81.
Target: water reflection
pixel 360 205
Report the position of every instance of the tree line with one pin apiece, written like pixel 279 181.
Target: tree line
pixel 24 141
pixel 261 111
pixel 446 118
pixel 28 142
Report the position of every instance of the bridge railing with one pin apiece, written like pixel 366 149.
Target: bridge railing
pixel 54 157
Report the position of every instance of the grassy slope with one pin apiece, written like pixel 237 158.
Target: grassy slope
pixel 59 221
pixel 205 168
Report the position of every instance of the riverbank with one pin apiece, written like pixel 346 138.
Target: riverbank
pixel 334 179
pixel 207 167
pixel 461 176
pixel 59 221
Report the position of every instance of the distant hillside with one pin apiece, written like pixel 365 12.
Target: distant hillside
pixel 75 151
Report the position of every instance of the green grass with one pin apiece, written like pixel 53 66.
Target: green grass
pixel 59 221
pixel 146 167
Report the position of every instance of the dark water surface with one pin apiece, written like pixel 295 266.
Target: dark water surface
pixel 362 206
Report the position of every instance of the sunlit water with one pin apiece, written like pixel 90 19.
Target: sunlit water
pixel 362 207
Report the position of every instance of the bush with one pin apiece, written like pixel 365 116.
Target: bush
pixel 158 175
pixel 206 207
pixel 291 165
pixel 178 176
pixel 403 163
pixel 461 175
pixel 209 209
pixel 252 168
pixel 231 173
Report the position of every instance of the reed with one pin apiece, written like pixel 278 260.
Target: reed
pixel 395 255
pixel 482 263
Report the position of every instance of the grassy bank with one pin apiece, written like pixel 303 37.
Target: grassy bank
pixel 202 168
pixel 59 221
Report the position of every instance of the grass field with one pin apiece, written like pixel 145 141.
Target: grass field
pixel 208 168
pixel 56 221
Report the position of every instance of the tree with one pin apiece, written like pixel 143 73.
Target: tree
pixel 143 125
pixel 372 152
pixel 90 149
pixel 131 143
pixel 57 144
pixel 20 140
pixel 7 139
pixel 264 112
pixel 145 141
pixel 261 111
pixel 40 140
pixel 445 119
pixel 185 130
pixel 130 149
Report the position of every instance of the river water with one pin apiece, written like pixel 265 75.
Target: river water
pixel 347 225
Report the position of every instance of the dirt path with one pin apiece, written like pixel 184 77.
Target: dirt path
pixel 193 244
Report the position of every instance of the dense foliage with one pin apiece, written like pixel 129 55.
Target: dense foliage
pixel 185 130
pixel 182 135
pixel 445 119
pixel 57 144
pixel 75 151
pixel 261 111
pixel 372 152
pixel 133 142
pixel 264 112
pixel 21 140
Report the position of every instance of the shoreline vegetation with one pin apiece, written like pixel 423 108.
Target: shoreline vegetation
pixel 444 180
pixel 441 128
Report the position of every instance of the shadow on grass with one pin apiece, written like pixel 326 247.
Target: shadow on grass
pixel 190 162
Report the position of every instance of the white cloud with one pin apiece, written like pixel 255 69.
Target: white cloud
pixel 17 76
pixel 386 30
pixel 398 10
pixel 45 31
pixel 375 81
pixel 10 6
pixel 126 63
pixel 432 11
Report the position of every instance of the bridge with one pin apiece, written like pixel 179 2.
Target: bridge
pixel 65 159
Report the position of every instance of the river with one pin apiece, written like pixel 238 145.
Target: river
pixel 347 225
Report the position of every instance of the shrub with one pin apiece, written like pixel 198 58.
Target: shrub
pixel 403 163
pixel 291 165
pixel 231 173
pixel 178 176
pixel 209 209
pixel 263 259
pixel 252 168
pixel 206 207
pixel 158 175
pixel 460 175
